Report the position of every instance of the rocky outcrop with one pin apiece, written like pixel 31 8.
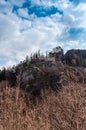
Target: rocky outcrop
pixel 39 76
pixel 76 57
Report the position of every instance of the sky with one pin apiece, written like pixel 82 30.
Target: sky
pixel 29 25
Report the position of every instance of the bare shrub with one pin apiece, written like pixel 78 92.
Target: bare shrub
pixel 65 110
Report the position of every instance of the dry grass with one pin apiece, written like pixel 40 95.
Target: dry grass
pixel 63 111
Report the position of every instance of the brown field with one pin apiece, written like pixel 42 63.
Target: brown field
pixel 65 110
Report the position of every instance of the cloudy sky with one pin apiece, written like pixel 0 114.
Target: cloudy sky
pixel 29 25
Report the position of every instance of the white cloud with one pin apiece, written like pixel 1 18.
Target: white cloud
pixel 17 2
pixel 5 7
pixel 20 37
pixel 23 13
pixel 78 14
pixel 47 3
pixel 23 37
pixel 10 63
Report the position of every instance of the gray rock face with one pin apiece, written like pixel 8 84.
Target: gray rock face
pixel 27 76
pixel 48 76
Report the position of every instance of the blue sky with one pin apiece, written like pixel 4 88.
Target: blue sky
pixel 29 25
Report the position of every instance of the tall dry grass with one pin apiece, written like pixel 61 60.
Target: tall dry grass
pixel 65 110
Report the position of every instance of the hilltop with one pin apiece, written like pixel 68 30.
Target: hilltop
pixel 39 72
